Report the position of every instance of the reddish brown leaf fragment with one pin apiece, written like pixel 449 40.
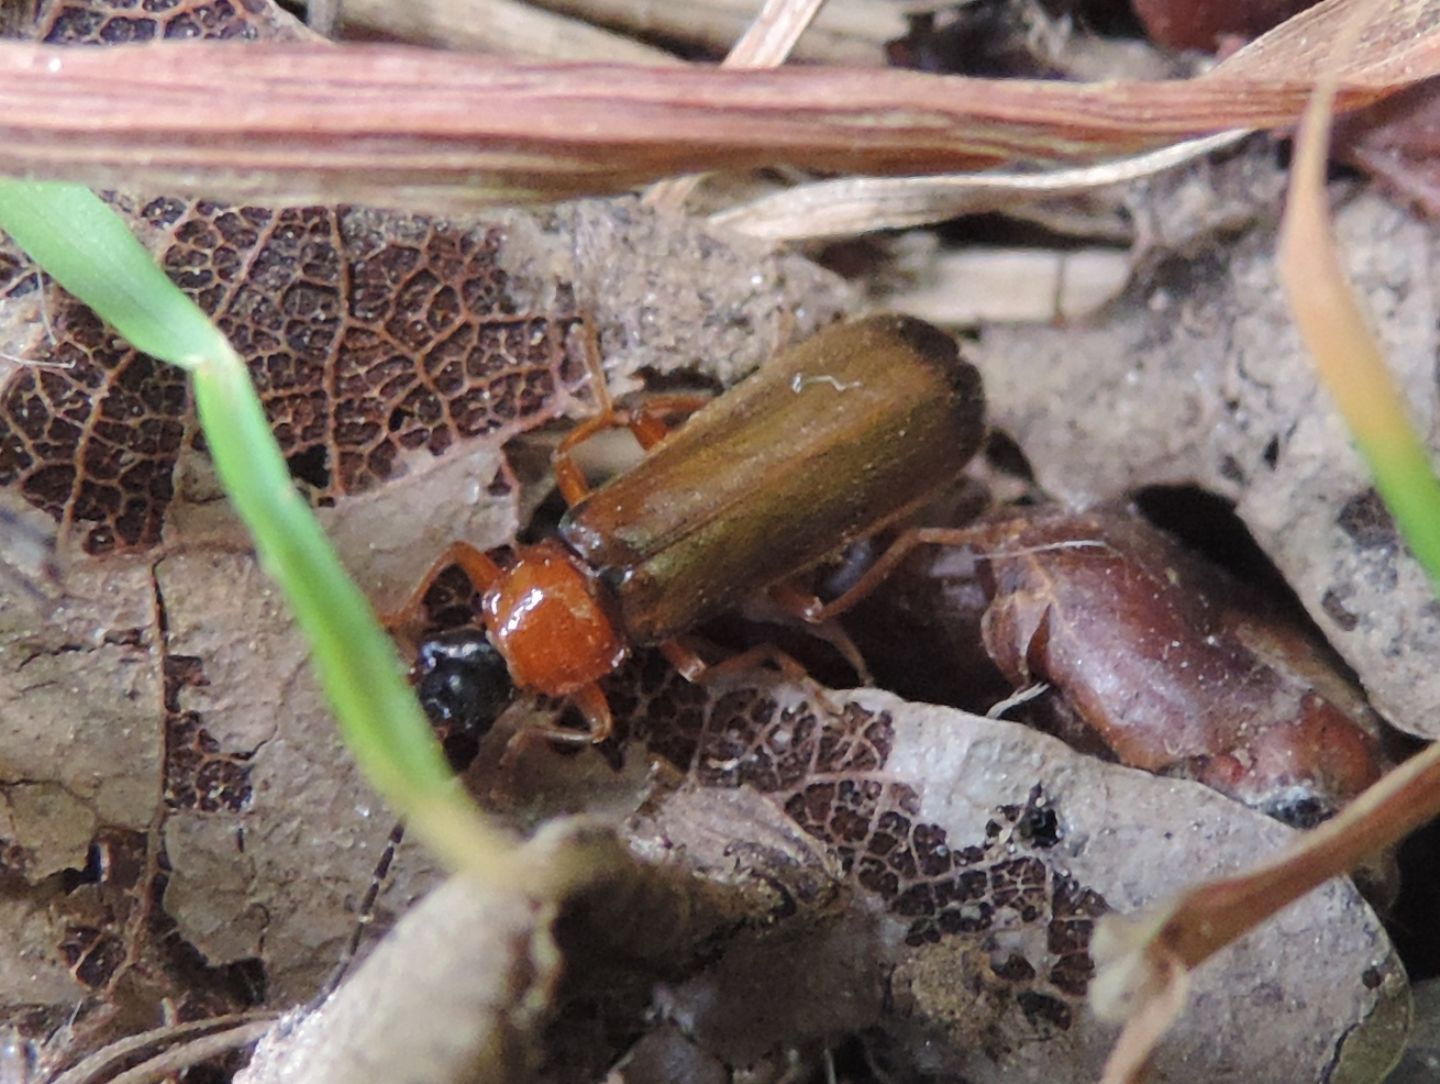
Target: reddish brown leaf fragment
pixel 1166 660
pixel 1173 666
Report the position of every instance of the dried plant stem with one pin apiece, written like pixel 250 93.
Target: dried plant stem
pixel 770 39
pixel 854 205
pixel 393 125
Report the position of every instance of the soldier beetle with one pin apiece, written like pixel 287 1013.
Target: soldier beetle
pixel 830 442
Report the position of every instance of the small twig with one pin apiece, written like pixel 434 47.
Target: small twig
pixel 173 1062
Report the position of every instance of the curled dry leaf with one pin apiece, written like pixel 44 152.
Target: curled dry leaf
pixel 851 205
pixel 1196 377
pixel 1150 654
pixel 930 880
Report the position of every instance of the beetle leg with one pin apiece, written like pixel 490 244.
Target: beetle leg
pixel 876 574
pixel 590 701
pixel 648 422
pixel 696 670
pixel 569 479
pixel 799 603
pixel 595 367
pixel 685 659
pixel 475 563
pixel 988 538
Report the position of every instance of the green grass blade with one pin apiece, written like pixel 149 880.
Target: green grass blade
pixel 85 247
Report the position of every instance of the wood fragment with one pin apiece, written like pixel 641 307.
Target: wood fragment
pixel 1017 285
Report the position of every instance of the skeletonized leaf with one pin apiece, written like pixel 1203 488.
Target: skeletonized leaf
pixel 932 879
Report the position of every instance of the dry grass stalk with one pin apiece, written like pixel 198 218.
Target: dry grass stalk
pixel 395 125
pixel 853 205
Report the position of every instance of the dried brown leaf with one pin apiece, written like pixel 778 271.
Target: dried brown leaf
pixel 1184 673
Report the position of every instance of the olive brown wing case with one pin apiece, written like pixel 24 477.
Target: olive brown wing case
pixel 827 443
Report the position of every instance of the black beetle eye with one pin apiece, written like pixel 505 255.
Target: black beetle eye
pixel 462 682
